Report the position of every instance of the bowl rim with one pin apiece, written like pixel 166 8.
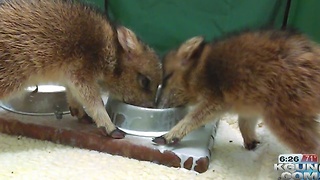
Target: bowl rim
pixel 46 89
pixel 9 108
pixel 144 108
pixel 36 91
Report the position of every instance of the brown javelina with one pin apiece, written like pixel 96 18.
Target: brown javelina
pixel 268 74
pixel 73 45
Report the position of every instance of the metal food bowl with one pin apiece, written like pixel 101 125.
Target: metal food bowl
pixel 42 100
pixel 142 121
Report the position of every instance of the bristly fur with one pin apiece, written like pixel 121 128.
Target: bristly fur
pixel 74 45
pixel 268 74
pixel 288 30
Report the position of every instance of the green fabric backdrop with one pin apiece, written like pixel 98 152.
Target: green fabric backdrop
pixel 164 24
pixel 305 15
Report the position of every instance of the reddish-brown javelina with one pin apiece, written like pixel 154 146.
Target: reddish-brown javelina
pixel 271 74
pixel 75 46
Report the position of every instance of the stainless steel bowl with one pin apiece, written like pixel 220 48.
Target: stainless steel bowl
pixel 46 100
pixel 142 121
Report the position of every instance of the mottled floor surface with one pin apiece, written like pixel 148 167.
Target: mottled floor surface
pixel 25 158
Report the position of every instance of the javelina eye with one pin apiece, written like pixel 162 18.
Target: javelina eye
pixel 144 82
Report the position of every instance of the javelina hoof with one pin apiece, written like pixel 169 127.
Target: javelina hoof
pixel 117 134
pixel 252 145
pixel 86 119
pixel 159 140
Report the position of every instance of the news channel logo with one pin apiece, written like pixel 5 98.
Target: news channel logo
pixel 298 166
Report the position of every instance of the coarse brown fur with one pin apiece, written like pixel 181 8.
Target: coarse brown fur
pixel 268 74
pixel 71 44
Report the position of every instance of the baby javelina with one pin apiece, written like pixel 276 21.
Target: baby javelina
pixel 73 45
pixel 270 74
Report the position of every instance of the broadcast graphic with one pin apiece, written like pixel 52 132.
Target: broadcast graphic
pixel 298 166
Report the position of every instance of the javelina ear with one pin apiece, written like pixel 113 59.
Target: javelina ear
pixel 190 48
pixel 127 39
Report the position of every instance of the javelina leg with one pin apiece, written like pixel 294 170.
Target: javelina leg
pixel 87 94
pixel 247 126
pixel 204 113
pixel 76 109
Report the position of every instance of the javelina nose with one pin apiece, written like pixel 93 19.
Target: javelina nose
pixel 158 95
pixel 148 104
pixel 163 103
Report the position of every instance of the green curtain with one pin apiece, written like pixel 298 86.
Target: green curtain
pixel 97 3
pixel 164 24
pixel 305 16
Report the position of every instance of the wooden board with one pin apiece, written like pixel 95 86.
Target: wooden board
pixel 192 153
